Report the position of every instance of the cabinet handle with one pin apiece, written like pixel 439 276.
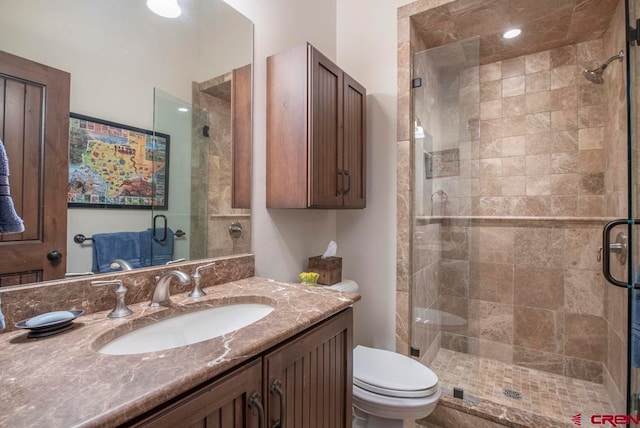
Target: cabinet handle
pixel 346 172
pixel 256 401
pixel 276 388
pixel 341 180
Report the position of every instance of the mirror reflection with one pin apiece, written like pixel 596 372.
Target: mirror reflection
pixel 188 77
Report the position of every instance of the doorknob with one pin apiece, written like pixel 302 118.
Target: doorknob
pixel 54 256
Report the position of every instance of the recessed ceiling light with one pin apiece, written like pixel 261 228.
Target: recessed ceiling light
pixel 165 8
pixel 183 109
pixel 510 34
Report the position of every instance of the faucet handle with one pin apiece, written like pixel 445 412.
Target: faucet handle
pixel 121 309
pixel 197 288
pixel 204 267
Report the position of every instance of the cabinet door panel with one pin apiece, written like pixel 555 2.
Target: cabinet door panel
pixel 241 137
pixel 355 100
pixel 315 371
pixel 223 404
pixel 325 132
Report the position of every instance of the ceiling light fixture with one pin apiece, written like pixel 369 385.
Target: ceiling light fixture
pixel 510 34
pixel 183 109
pixel 165 8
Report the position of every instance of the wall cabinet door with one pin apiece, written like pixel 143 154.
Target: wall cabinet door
pixel 315 133
pixel 354 147
pixel 225 403
pixel 308 382
pixel 325 130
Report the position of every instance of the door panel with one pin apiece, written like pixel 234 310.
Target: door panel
pixel 34 127
pixel 326 132
pixel 354 144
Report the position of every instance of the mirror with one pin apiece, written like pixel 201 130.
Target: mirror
pixel 130 66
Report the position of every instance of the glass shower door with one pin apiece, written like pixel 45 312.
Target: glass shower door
pixel 445 146
pixel 633 100
pixel 172 212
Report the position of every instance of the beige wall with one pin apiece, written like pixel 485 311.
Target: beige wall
pixel 367 43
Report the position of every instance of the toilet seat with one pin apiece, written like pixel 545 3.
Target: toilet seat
pixel 392 375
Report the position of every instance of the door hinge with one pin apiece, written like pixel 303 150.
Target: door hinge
pixel 633 34
pixel 416 83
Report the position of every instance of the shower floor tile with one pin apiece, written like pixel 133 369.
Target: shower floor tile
pixel 544 394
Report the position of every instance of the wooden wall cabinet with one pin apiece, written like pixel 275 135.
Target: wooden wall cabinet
pixel 305 382
pixel 241 135
pixel 316 139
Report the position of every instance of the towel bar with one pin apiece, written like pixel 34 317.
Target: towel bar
pixel 80 238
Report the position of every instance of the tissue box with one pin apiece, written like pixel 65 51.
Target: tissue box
pixel 330 269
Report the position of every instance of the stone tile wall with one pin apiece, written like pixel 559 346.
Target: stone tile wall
pixel 538 146
pixel 530 290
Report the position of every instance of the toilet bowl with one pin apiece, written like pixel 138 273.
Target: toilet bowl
pixel 389 388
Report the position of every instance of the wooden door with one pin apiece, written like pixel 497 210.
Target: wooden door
pixel 34 126
pixel 354 142
pixel 325 132
pixel 314 374
pixel 223 404
pixel 241 137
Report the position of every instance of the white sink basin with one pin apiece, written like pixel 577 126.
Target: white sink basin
pixel 188 328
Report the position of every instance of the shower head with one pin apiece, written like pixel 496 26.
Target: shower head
pixel 595 75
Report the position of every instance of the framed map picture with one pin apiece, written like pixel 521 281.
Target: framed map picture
pixel 116 166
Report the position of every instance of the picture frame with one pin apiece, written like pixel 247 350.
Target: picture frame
pixel 112 165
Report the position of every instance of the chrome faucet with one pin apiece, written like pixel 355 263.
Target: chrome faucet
pixel 122 264
pixel 197 288
pixel 161 295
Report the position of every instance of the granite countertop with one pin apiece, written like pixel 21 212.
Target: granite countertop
pixel 62 381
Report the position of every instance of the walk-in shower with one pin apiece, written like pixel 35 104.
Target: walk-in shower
pixel 519 163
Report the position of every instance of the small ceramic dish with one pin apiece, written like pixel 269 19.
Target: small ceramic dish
pixel 49 323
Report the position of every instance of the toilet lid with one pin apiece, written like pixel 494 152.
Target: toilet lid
pixel 388 373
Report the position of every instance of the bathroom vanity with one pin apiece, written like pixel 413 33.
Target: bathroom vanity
pixel 294 363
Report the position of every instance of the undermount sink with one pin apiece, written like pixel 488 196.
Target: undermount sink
pixel 186 329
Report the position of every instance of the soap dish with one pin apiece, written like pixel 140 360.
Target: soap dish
pixel 49 323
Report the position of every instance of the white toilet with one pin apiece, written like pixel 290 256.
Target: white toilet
pixel 389 388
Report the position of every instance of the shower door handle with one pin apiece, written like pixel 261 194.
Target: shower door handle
pixel 619 247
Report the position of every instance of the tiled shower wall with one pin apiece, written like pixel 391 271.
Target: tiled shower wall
pixel 537 148
pixel 522 270
pixel 531 291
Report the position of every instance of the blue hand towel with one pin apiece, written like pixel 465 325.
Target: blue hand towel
pixel 10 222
pixel 119 245
pixel 154 251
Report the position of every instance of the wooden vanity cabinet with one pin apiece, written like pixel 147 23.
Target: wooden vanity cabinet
pixel 316 133
pixel 305 382
pixel 308 382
